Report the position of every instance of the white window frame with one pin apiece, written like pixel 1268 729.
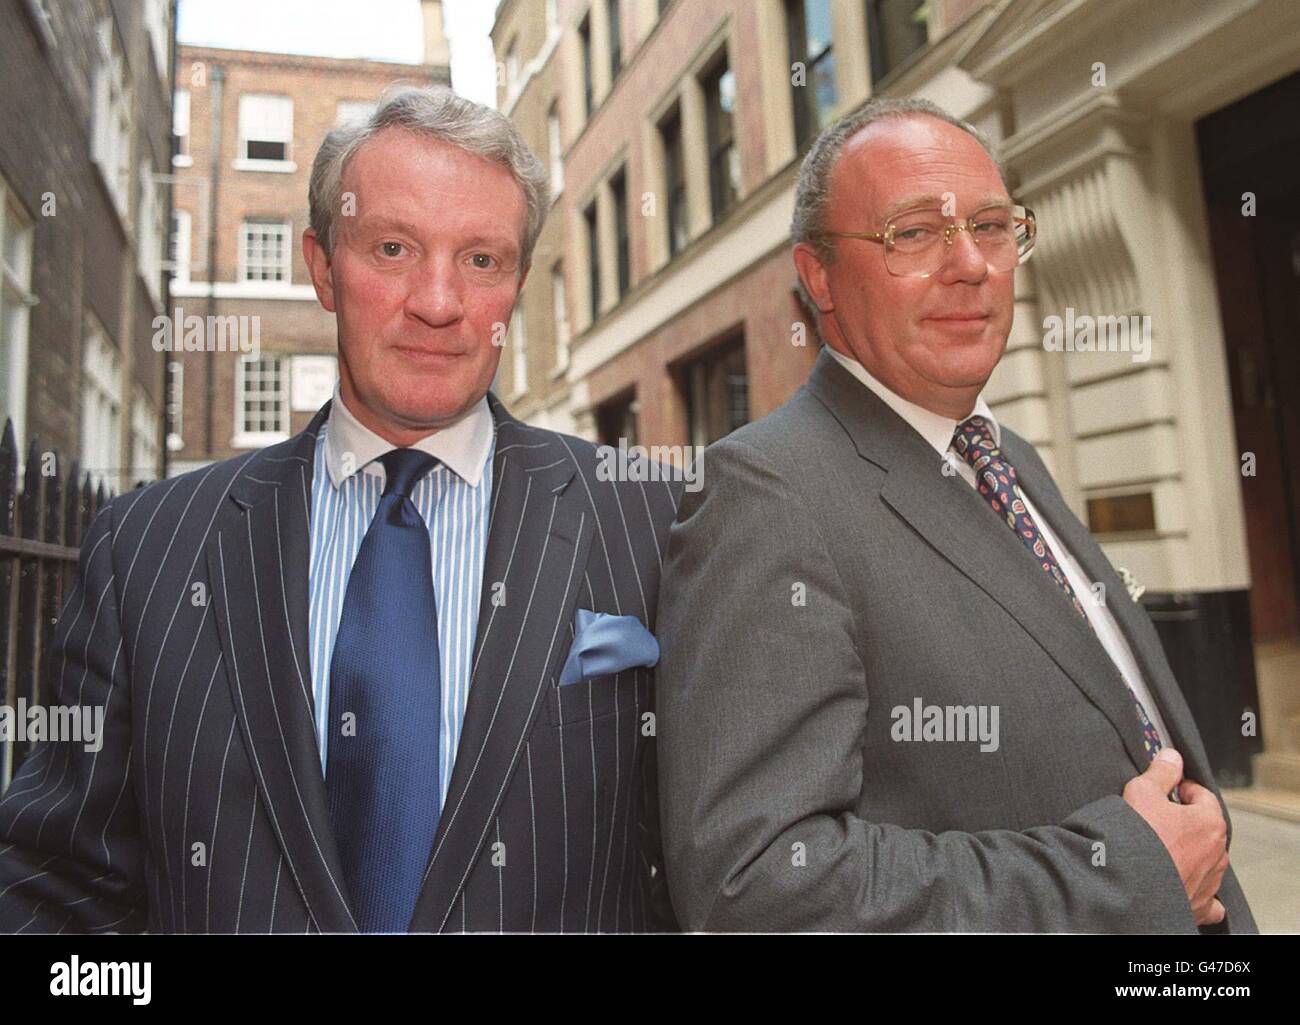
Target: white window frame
pixel 555 147
pixel 560 309
pixel 17 243
pixel 181 128
pixel 155 23
pixel 145 428
pixel 180 240
pixel 266 131
pixel 152 232
pixel 111 137
pixel 519 360
pixel 244 437
pixel 286 258
pixel 101 406
pixel 175 405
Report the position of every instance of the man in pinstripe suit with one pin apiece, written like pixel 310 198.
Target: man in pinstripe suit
pixel 209 610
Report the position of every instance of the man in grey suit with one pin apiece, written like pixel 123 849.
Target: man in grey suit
pixel 890 697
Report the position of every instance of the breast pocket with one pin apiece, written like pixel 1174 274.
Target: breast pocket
pixel 592 699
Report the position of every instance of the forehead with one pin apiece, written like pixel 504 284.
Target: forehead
pixel 890 162
pixel 400 175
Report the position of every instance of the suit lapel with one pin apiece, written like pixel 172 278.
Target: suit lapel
pixel 538 537
pixel 1132 619
pixel 258 567
pixel 957 523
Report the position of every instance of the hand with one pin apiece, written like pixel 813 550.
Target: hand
pixel 1194 833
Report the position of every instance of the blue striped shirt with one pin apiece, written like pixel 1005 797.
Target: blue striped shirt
pixel 346 486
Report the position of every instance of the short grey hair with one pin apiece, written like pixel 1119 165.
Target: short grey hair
pixel 439 113
pixel 812 192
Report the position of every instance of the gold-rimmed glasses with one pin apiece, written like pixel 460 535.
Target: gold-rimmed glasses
pixel 917 242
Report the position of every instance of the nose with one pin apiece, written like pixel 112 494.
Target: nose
pixel 435 291
pixel 963 260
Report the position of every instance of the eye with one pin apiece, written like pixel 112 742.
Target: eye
pixel 387 248
pixel 488 261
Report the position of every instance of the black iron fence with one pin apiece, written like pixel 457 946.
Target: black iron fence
pixel 41 528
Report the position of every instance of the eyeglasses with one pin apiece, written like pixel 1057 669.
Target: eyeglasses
pixel 917 243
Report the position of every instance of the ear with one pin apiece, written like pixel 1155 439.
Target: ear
pixel 318 265
pixel 812 272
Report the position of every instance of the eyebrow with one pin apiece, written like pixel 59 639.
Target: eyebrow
pixel 379 225
pixel 916 202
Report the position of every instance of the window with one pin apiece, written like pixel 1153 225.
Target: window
pixel 616 419
pixel 261 402
pixel 556 147
pixel 179 249
pixel 181 129
pixel 111 138
pixel 593 260
pixel 584 38
pixel 144 438
pixel 675 185
pixel 175 405
pixel 512 68
pixel 519 343
pixel 896 29
pixel 719 86
pixel 618 187
pixel 352 111
pixel 155 22
pixel 716 387
pixel 151 231
pixel 265 132
pixel 16 236
pixel 264 250
pixel 561 311
pixel 101 406
pixel 615 40
pixel 808 23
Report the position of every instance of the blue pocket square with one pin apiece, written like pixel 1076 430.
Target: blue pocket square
pixel 607 644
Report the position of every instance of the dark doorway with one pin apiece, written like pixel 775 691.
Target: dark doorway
pixel 1249 155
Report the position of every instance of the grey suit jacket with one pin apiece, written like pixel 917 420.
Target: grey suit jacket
pixel 210 748
pixel 827 573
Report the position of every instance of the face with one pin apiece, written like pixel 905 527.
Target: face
pixel 423 277
pixel 932 340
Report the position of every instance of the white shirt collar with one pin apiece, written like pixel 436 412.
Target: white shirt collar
pixel 935 428
pixel 463 446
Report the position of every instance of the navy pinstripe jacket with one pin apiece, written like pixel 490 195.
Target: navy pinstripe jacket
pixel 205 809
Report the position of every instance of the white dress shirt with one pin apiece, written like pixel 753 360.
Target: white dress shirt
pixel 937 430
pixel 453 499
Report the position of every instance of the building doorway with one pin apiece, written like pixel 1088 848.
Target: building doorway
pixel 1249 152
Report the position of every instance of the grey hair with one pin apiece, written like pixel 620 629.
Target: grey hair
pixel 812 192
pixel 437 112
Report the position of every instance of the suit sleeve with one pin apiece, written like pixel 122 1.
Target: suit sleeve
pixel 761 705
pixel 70 853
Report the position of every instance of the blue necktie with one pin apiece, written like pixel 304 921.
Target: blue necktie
pixel 385 708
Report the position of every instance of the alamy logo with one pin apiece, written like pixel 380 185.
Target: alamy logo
pixel 182 332
pixel 102 979
pixel 657 463
pixel 954 723
pixel 1085 333
pixel 78 724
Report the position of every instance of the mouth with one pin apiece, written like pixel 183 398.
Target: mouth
pixel 422 354
pixel 960 321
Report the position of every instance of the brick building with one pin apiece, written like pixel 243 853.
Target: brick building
pixel 1155 140
pixel 247 129
pixel 85 109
